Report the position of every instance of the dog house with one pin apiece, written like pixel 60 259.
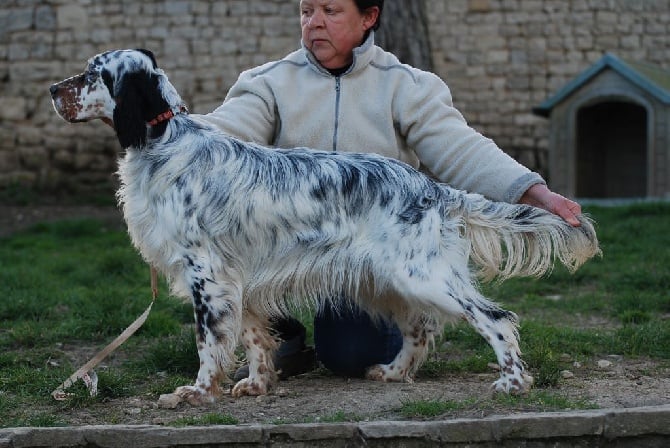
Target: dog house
pixel 609 132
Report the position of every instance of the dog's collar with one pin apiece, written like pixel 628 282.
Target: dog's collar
pixel 165 116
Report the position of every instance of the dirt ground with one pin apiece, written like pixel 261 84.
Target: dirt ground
pixel 318 396
pixel 608 382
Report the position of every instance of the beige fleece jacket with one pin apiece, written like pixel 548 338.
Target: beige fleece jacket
pixel 379 105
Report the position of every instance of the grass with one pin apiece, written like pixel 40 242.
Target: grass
pixel 205 420
pixel 68 288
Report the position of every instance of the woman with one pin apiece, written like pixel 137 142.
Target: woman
pixel 340 92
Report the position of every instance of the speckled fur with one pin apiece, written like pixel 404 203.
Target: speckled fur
pixel 240 229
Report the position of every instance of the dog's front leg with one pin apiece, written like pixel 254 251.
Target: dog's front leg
pixel 260 347
pixel 217 310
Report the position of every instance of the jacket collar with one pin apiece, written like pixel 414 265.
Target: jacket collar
pixel 362 57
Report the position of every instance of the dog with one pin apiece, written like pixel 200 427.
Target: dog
pixel 243 231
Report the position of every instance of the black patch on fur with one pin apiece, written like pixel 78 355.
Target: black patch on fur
pixel 385 198
pixel 416 210
pixel 108 80
pixel 150 54
pixel 318 192
pixel 411 214
pixel 350 179
pixel 495 314
pixel 137 102
pixel 524 215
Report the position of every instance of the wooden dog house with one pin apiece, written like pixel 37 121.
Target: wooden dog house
pixel 609 132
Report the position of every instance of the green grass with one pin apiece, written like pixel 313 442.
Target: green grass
pixel 75 285
pixel 340 417
pixel 205 420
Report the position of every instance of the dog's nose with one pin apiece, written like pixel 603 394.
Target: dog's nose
pixel 53 89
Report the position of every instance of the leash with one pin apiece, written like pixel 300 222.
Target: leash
pixel 86 372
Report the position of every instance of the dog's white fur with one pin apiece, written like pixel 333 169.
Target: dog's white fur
pixel 240 229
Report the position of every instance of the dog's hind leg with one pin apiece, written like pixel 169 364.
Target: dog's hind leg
pixel 498 327
pixel 418 335
pixel 217 309
pixel 456 296
pixel 260 347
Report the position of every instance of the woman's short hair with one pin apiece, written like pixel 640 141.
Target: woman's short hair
pixel 365 4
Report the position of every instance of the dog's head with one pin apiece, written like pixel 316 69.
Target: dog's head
pixel 124 88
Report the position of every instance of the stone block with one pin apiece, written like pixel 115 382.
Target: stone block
pixel 176 47
pixel 63 159
pixel 30 71
pixel 605 17
pixel 71 16
pixel 479 6
pixel 101 36
pixel 45 18
pixel 19 51
pixel 9 160
pixel 16 19
pixel 637 421
pixel 13 108
pixel 177 8
pixel 630 42
pixel 33 158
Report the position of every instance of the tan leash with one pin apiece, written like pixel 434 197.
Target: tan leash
pixel 86 372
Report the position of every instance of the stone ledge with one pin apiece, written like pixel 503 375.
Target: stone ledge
pixel 585 428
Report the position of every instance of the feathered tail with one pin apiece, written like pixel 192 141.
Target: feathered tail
pixel 515 240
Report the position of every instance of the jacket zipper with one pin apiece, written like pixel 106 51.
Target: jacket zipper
pixel 337 111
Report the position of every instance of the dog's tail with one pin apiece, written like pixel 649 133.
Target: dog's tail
pixel 510 239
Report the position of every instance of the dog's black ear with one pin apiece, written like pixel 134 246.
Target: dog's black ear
pixel 138 101
pixel 131 129
pixel 150 54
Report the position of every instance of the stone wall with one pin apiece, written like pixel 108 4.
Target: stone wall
pixel 503 57
pixel 500 58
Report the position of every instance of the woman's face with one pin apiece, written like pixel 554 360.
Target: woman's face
pixel 331 29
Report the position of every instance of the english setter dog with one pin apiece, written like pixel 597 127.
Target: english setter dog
pixel 243 230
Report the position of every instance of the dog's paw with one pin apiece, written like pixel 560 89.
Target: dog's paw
pixel 513 385
pixel 194 395
pixel 387 374
pixel 250 387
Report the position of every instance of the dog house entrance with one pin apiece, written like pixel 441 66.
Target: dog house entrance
pixel 609 131
pixel 611 150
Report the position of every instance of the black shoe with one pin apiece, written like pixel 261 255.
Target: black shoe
pixel 295 363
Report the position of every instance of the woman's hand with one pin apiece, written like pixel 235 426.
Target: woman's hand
pixel 540 196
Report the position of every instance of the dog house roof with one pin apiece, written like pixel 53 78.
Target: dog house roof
pixel 653 79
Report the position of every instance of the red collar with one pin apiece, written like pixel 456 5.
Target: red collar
pixel 161 117
pixel 166 116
